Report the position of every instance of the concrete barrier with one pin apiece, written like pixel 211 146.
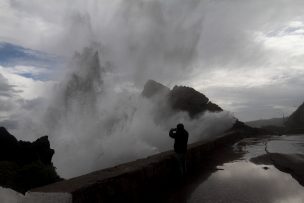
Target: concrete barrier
pixel 136 181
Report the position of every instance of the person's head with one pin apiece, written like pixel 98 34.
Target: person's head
pixel 180 126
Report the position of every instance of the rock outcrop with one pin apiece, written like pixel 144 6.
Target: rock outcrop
pixel 188 99
pixel 296 119
pixel 181 98
pixel 25 165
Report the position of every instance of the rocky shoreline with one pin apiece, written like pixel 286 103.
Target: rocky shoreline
pixel 25 165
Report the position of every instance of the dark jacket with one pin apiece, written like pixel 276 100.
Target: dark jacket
pixel 180 137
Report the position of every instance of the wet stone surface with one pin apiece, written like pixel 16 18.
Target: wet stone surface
pixel 232 176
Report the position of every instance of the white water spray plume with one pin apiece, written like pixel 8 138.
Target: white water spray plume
pixel 96 117
pixel 95 123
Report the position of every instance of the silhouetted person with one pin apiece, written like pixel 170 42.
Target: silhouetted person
pixel 180 136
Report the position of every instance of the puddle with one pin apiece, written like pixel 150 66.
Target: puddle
pixel 243 181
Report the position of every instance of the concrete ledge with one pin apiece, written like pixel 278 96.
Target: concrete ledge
pixel 136 181
pixel 49 197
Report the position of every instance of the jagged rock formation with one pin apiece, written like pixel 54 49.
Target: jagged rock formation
pixel 25 165
pixel 181 98
pixel 24 152
pixel 189 100
pixel 296 120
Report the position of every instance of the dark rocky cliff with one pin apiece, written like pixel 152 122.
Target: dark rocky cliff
pixel 296 119
pixel 24 152
pixel 181 98
pixel 25 165
pixel 189 100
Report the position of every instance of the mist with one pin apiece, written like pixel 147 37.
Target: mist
pixel 95 115
pixel 95 123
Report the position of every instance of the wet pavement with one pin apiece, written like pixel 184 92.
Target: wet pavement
pixel 231 176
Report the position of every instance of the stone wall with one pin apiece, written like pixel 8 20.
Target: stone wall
pixel 137 181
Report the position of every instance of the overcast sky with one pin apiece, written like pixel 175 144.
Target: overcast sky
pixel 246 56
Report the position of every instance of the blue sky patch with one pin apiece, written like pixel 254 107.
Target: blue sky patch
pixel 13 55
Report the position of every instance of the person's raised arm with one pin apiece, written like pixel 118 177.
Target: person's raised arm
pixel 172 133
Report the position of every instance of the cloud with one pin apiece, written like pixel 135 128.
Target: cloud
pixel 9 124
pixel 29 63
pixel 27 87
pixel 207 33
pixel 250 103
pixel 8 98
pixel 166 41
pixel 6 90
pixel 22 101
pixel 23 27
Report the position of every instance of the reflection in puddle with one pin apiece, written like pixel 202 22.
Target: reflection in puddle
pixel 246 182
pixel 287 144
pixel 280 144
pixel 243 181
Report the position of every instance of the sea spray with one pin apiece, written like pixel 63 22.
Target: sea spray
pixel 95 116
pixel 93 124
